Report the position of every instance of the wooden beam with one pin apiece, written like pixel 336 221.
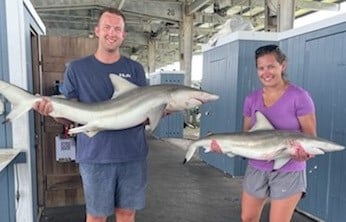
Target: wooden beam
pixel 196 5
pixel 316 6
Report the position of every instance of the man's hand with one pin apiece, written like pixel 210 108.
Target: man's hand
pixel 44 107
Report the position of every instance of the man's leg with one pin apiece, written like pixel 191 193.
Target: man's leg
pixel 91 218
pixel 124 215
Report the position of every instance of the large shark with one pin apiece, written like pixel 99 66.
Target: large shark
pixel 130 105
pixel 263 142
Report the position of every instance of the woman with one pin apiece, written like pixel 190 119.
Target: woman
pixel 287 107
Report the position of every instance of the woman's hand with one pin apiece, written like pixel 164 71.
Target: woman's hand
pixel 215 147
pixel 300 154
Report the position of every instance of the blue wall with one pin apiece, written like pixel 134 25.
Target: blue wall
pixel 317 61
pixel 170 126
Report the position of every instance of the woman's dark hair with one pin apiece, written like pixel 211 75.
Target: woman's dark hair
pixel 272 49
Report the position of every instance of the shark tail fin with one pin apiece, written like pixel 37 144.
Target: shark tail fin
pixel 17 111
pixel 185 144
pixel 21 100
pixel 190 152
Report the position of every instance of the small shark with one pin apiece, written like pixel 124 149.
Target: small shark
pixel 129 106
pixel 263 142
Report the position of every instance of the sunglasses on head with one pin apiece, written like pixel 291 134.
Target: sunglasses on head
pixel 266 49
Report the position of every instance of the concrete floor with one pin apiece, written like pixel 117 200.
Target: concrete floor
pixel 194 192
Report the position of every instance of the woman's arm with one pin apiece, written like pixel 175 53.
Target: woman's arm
pixel 308 126
pixel 246 123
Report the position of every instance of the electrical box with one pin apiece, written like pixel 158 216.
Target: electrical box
pixel 65 149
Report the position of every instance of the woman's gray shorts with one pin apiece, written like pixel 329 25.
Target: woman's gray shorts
pixel 273 184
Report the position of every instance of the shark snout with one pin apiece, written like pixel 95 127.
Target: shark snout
pixel 200 99
pixel 318 150
pixel 189 99
pixel 335 147
pixel 206 97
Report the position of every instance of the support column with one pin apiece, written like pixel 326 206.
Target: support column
pixel 181 47
pixel 270 15
pixel 151 55
pixel 186 47
pixel 286 15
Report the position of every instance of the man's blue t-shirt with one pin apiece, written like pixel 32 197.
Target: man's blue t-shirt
pixel 87 80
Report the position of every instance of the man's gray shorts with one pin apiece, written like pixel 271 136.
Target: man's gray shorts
pixel 273 184
pixel 114 185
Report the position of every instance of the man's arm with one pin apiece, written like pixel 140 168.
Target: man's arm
pixel 44 107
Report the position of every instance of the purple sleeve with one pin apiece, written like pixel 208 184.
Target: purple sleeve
pixel 247 107
pixel 304 104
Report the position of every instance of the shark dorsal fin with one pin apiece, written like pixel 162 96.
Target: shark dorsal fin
pixel 120 85
pixel 262 123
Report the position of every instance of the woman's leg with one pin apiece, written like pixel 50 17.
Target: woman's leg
pixel 281 210
pixel 251 208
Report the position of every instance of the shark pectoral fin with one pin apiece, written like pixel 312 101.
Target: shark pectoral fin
pixel 280 162
pixel 155 115
pixel 75 130
pixel 89 131
pixel 274 154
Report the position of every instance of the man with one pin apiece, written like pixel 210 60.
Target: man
pixel 112 163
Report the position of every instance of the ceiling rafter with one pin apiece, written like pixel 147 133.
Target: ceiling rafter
pixel 160 19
